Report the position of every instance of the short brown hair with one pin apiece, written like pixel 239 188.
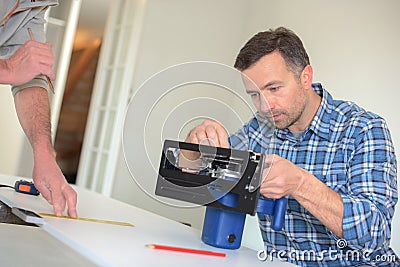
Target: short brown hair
pixel 282 40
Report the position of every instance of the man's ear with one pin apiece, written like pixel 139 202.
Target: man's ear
pixel 307 77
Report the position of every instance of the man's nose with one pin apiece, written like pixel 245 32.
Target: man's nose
pixel 266 105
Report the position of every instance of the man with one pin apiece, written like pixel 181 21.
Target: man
pixel 334 161
pixel 24 64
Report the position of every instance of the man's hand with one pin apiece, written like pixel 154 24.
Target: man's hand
pixel 30 60
pixel 211 133
pixel 282 178
pixel 51 183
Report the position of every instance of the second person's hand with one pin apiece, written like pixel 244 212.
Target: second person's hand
pixel 52 184
pixel 30 60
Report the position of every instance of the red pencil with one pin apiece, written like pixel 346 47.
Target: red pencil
pixel 187 250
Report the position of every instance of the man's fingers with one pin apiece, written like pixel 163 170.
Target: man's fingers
pixel 59 197
pixel 217 133
pixel 44 191
pixel 46 70
pixel 58 201
pixel 210 133
pixel 51 74
pixel 71 197
pixel 223 138
pixel 273 188
pixel 211 136
pixel 36 49
pixel 200 136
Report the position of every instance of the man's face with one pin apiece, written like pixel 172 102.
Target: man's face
pixel 279 95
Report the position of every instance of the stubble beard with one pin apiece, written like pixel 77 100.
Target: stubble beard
pixel 290 117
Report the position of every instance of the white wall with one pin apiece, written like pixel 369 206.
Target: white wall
pixel 353 46
pixel 11 133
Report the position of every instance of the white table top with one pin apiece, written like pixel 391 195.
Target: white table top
pixel 112 245
pixel 32 246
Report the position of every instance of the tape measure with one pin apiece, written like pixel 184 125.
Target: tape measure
pixel 87 220
pixel 24 187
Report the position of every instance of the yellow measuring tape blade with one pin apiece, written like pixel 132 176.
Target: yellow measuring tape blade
pixel 87 219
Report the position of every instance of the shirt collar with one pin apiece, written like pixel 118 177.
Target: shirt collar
pixel 321 122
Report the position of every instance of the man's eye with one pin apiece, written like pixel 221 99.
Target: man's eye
pixel 274 89
pixel 254 95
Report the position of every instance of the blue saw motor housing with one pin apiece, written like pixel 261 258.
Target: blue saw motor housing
pixel 224 228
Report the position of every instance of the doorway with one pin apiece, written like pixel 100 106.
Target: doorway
pixel 75 107
pixel 79 86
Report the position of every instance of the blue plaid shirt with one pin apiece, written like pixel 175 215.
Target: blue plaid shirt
pixel 351 151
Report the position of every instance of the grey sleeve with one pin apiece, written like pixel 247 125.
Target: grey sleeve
pixel 16 33
pixel 38 81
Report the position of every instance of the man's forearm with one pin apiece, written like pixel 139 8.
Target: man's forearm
pixel 33 110
pixel 322 202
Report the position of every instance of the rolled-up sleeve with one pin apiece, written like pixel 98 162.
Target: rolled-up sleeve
pixel 38 81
